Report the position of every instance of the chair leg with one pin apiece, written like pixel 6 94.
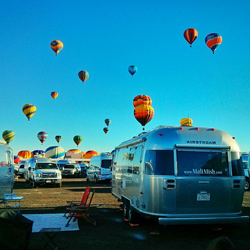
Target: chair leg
pixel 69 221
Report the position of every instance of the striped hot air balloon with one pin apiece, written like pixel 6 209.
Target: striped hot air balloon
pixel 143 114
pixel 56 46
pixel 42 136
pixel 54 152
pixel 8 135
pixel 77 139
pixel 83 75
pixel 190 35
pixel 213 40
pixel 186 122
pixel 29 110
pixel 142 99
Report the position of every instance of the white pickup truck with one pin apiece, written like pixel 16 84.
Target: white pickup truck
pixel 41 171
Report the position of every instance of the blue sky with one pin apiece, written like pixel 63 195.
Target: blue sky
pixel 104 38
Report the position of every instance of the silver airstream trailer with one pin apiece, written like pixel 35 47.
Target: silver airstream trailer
pixel 180 175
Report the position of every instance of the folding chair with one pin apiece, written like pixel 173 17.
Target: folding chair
pixel 81 212
pixel 79 203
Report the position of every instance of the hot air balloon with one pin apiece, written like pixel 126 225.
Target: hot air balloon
pixel 42 136
pixel 25 154
pixel 186 122
pixel 144 114
pixel 89 154
pixel 107 121
pixel 213 40
pixel 29 110
pixel 190 35
pixel 54 152
pixel 106 130
pixel 58 138
pixel 8 135
pixel 57 46
pixel 74 153
pixel 132 69
pixel 83 75
pixel 142 99
pixel 38 152
pixel 16 159
pixel 77 139
pixel 54 95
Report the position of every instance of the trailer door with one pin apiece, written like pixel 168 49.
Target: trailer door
pixel 203 184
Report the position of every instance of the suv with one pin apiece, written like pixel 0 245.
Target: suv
pixel 71 169
pixel 100 168
pixel 42 171
pixel 84 167
pixel 21 168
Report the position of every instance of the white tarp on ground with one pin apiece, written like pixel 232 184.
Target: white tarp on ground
pixel 51 221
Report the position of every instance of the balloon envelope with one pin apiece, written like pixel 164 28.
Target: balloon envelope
pixel 54 95
pixel 144 114
pixel 29 110
pixel 56 46
pixel 77 139
pixel 16 159
pixel 54 152
pixel 190 35
pixel 186 122
pixel 83 75
pixel 25 154
pixel 213 40
pixel 142 99
pixel 107 121
pixel 74 153
pixel 38 152
pixel 89 154
pixel 42 136
pixel 8 135
pixel 58 138
pixel 106 130
pixel 132 69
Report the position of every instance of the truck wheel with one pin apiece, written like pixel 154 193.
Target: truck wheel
pixel 125 209
pixel 247 185
pixel 133 216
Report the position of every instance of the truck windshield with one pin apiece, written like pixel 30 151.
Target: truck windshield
pixel 159 162
pixel 202 163
pixel 106 163
pixel 46 166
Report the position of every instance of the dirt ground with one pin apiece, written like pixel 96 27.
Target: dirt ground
pixel 111 231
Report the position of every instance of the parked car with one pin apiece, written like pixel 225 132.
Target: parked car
pixel 62 163
pixel 21 168
pixel 100 168
pixel 71 169
pixel 84 168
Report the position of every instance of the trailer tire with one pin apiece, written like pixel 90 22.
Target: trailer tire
pixel 133 216
pixel 125 208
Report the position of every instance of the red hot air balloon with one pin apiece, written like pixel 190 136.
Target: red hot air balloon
pixel 54 95
pixel 144 114
pixel 42 136
pixel 190 35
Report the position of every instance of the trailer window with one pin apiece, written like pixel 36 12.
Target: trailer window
pixel 198 163
pixel 106 163
pixel 237 166
pixel 159 162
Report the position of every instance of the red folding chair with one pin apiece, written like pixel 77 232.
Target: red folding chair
pixel 80 203
pixel 77 212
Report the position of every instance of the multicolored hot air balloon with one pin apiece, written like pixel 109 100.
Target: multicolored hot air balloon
pixel 25 154
pixel 186 122
pixel 213 40
pixel 132 69
pixel 16 159
pixel 106 130
pixel 89 154
pixel 144 114
pixel 77 139
pixel 190 35
pixel 142 99
pixel 8 135
pixel 107 121
pixel 57 46
pixel 38 152
pixel 55 152
pixel 83 75
pixel 74 153
pixel 58 138
pixel 54 95
pixel 29 110
pixel 42 136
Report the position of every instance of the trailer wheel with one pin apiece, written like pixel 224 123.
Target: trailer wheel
pixel 133 216
pixel 247 185
pixel 125 209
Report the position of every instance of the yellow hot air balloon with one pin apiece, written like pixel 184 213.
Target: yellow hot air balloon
pixel 29 110
pixel 8 135
pixel 186 122
pixel 56 46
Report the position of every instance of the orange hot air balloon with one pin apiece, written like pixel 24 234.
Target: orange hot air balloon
pixel 142 99
pixel 25 154
pixel 89 154
pixel 54 95
pixel 186 122
pixel 144 114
